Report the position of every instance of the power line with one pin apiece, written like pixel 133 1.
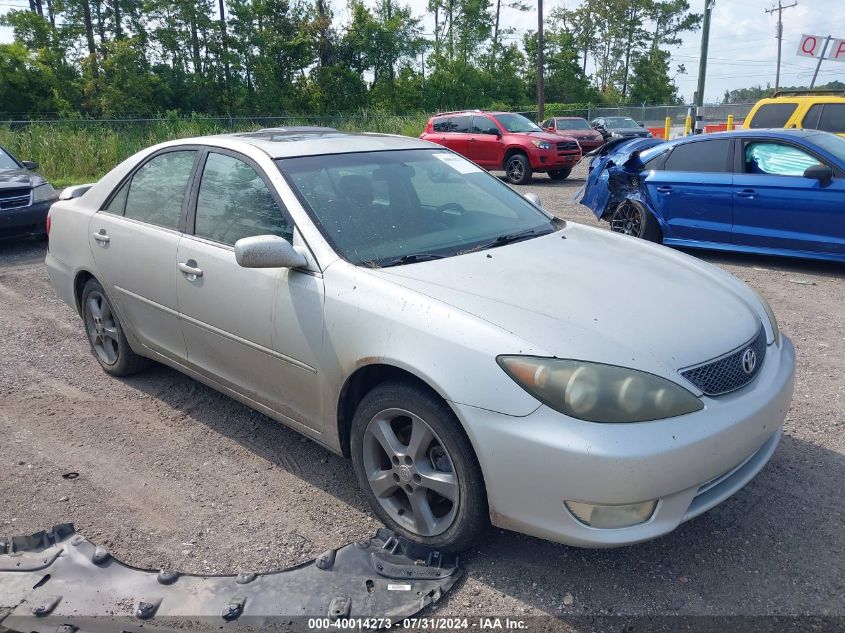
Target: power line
pixel 780 9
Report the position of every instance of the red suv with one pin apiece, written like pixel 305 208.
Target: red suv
pixel 504 140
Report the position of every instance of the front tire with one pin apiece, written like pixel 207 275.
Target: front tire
pixel 632 218
pixel 105 334
pixel 518 169
pixel 417 467
pixel 560 174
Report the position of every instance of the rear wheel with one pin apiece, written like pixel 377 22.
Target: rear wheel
pixel 632 218
pixel 518 169
pixel 105 334
pixel 417 467
pixel 560 174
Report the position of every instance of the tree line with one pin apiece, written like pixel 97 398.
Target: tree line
pixel 99 58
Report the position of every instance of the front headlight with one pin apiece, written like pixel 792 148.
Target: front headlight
pixel 599 393
pixel 770 313
pixel 542 144
pixel 43 193
pixel 616 135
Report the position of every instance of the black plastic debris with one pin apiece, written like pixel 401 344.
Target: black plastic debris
pixel 60 581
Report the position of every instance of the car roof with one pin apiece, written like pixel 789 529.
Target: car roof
pixel 307 141
pixel 781 133
pixel 570 118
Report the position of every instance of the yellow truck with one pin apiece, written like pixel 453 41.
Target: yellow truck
pixel 810 109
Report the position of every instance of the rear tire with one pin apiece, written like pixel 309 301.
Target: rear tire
pixel 105 333
pixel 417 467
pixel 633 218
pixel 518 169
pixel 560 174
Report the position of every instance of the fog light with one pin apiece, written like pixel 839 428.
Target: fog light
pixel 611 516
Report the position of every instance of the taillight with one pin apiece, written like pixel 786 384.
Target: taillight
pixel 48 222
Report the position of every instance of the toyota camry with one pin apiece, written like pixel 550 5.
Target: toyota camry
pixel 479 360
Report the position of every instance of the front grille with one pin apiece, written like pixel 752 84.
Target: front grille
pixel 567 146
pixel 14 198
pixel 729 372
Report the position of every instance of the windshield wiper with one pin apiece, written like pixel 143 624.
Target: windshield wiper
pixel 412 258
pixel 510 238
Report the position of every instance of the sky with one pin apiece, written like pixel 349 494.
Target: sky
pixel 743 47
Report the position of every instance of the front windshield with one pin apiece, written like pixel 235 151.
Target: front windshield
pixel 573 124
pixel 516 123
pixel 831 143
pixel 6 161
pixel 621 122
pixel 393 207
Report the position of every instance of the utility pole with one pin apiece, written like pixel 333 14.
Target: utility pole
pixel 779 35
pixel 702 67
pixel 541 98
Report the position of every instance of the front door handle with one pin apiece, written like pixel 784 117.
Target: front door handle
pixel 664 189
pixel 189 270
pixel 746 193
pixel 102 237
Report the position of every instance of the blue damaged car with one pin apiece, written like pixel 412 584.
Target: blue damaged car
pixel 773 192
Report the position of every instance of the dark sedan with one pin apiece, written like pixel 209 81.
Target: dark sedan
pixel 25 197
pixel 577 128
pixel 619 127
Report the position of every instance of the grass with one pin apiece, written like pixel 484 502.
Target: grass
pixel 77 151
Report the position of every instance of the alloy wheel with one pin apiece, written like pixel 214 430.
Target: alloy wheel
pixel 628 220
pixel 410 472
pixel 101 325
pixel 515 170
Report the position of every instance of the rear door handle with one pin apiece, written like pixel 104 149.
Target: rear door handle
pixel 102 237
pixel 664 189
pixel 746 193
pixel 189 270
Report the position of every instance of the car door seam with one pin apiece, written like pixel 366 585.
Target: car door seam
pixel 246 342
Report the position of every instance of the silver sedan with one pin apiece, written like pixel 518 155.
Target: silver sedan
pixel 479 360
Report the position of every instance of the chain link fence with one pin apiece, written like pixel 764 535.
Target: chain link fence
pixel 653 116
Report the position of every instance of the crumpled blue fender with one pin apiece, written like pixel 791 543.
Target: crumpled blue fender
pixel 607 182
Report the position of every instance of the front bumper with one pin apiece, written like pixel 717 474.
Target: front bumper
pixel 550 159
pixel 23 221
pixel 533 464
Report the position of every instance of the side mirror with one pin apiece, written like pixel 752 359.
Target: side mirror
pixel 267 251
pixel 822 173
pixel 534 199
pixel 495 133
pixel 30 164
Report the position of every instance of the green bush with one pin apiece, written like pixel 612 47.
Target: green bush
pixel 75 151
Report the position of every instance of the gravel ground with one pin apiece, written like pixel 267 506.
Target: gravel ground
pixel 173 474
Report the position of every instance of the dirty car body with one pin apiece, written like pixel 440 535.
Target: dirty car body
pixel 773 192
pixel 421 302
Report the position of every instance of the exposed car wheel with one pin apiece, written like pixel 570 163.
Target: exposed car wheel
pixel 632 218
pixel 517 169
pixel 105 334
pixel 417 467
pixel 560 174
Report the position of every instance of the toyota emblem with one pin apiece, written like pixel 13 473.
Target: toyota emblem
pixel 749 360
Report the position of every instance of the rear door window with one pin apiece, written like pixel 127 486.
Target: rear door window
pixel 772 115
pixel 460 124
pixel 483 125
pixel 157 189
pixel 441 124
pixel 700 156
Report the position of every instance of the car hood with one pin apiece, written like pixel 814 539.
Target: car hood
pixel 17 178
pixel 542 136
pixel 589 294
pixel 627 131
pixel 581 134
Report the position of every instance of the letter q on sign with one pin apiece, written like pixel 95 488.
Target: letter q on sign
pixel 810 46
